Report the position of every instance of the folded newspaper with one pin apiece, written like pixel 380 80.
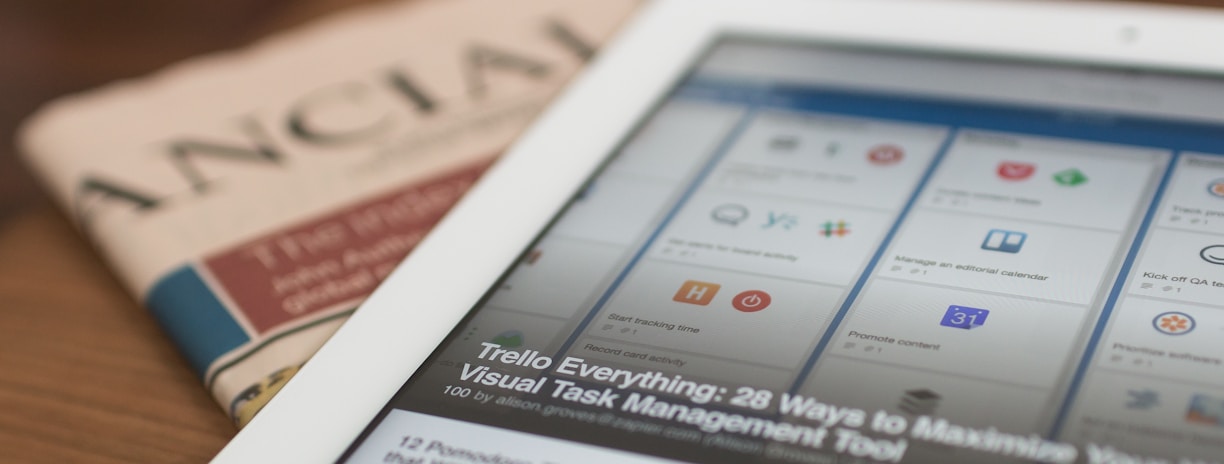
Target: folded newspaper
pixel 252 199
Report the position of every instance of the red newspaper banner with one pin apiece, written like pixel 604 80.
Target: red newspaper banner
pixel 337 258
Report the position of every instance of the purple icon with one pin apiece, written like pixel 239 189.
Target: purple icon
pixel 964 317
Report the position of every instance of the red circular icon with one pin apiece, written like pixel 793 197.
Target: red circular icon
pixel 885 154
pixel 1216 188
pixel 751 301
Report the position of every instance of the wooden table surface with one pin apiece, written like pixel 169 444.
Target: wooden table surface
pixel 85 374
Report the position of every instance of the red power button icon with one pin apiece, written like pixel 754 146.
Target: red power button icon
pixel 751 301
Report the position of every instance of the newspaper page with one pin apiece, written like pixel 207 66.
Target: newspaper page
pixel 252 199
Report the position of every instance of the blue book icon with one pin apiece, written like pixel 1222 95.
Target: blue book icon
pixel 1007 241
pixel 964 317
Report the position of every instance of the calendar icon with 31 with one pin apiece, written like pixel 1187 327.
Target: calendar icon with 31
pixel 964 317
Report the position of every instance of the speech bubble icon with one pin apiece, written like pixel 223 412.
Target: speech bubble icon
pixel 730 214
pixel 1213 254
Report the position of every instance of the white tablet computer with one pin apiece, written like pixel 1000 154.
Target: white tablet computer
pixel 817 232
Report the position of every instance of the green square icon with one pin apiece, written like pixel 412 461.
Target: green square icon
pixel 1070 177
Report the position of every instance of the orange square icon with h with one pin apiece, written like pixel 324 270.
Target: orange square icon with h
pixel 696 292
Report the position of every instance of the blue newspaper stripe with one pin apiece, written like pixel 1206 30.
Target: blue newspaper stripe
pixel 194 318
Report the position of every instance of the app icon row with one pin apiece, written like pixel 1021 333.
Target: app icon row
pixel 702 293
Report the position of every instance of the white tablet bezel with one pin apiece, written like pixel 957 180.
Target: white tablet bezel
pixel 335 396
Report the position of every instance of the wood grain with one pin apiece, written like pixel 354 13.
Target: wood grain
pixel 87 375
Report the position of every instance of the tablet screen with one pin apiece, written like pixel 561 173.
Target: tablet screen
pixel 818 253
